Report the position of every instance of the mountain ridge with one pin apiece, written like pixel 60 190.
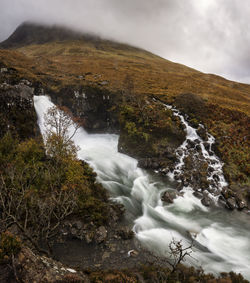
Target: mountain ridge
pixel 29 33
pixel 35 33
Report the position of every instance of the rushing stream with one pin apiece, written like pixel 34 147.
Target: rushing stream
pixel 221 238
pixel 206 154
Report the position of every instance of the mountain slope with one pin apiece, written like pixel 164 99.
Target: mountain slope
pixel 65 55
pixel 58 58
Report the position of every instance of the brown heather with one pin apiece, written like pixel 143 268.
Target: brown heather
pixel 106 64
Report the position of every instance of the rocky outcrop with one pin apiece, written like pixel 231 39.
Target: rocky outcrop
pixel 150 133
pixel 236 197
pixel 95 107
pixel 28 267
pixel 156 164
pixel 17 113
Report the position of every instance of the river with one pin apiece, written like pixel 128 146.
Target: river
pixel 221 238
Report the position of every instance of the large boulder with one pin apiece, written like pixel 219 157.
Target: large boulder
pixel 206 201
pixel 169 196
pixel 231 203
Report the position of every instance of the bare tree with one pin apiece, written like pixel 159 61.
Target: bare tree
pixel 60 121
pixel 61 127
pixel 177 253
pixel 37 194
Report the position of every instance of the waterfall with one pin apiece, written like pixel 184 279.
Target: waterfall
pixel 221 238
pixel 215 175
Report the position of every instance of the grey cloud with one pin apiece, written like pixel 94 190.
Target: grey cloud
pixel 209 35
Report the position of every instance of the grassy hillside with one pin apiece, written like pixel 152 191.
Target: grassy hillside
pixel 98 61
pixel 225 104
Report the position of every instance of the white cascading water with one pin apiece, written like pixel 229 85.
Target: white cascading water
pixel 208 155
pixel 221 238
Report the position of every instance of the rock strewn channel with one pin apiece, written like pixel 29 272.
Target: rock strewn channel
pixel 199 168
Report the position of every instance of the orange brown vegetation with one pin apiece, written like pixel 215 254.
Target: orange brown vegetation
pixel 106 64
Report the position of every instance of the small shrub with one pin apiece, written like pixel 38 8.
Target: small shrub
pixel 9 245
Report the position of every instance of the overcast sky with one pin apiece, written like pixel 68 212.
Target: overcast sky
pixel 212 36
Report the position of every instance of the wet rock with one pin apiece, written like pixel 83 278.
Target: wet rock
pixel 222 200
pixel 228 193
pixel 179 187
pixel 204 183
pixel 189 162
pixel 206 145
pixel 190 144
pixel 125 233
pixel 198 147
pixel 212 183
pixel 179 152
pixel 101 234
pixel 186 178
pixel 164 171
pixel 240 201
pixel 241 194
pixel 210 169
pixel 168 197
pixel 206 201
pixel 231 203
pixel 216 177
pixel 241 204
pixel 176 177
pixel 155 165
pixel 185 183
pixel 148 163
pixel 198 194
pixel 202 133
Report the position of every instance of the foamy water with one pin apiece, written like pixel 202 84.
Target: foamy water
pixel 221 238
